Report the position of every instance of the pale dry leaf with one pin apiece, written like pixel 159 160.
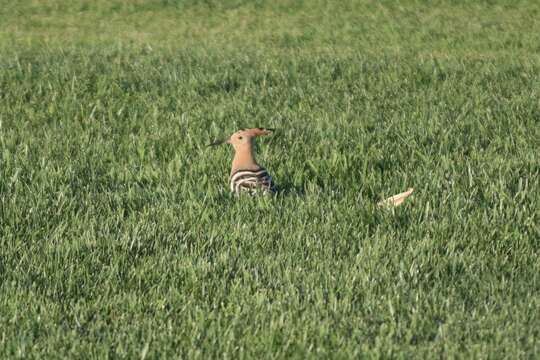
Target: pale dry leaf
pixel 396 200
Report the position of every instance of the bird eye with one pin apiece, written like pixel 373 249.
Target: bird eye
pixel 239 138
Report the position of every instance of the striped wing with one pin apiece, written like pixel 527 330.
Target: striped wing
pixel 252 181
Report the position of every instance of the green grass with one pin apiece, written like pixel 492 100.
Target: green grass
pixel 118 237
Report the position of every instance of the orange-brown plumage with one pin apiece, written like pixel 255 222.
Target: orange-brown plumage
pixel 246 173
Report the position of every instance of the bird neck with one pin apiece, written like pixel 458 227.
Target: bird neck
pixel 244 158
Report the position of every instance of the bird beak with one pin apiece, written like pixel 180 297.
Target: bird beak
pixel 217 142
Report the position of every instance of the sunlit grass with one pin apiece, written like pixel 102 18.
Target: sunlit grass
pixel 118 237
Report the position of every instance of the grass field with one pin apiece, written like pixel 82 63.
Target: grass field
pixel 118 237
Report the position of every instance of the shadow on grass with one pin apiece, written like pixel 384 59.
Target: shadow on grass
pixel 290 189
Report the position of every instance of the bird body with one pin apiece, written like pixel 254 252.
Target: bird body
pixel 251 181
pixel 247 176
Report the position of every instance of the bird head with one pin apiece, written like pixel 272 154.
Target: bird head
pixel 243 137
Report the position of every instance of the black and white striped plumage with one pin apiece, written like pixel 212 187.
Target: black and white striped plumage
pixel 251 181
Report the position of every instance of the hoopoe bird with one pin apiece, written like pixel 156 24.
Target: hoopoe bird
pixel 247 176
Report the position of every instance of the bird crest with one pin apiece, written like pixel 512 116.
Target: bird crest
pixel 244 134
